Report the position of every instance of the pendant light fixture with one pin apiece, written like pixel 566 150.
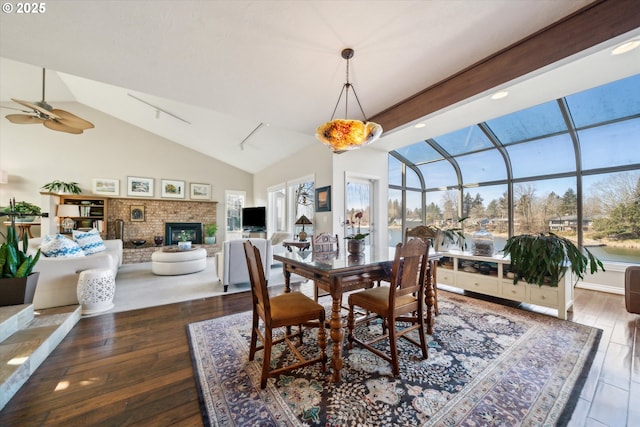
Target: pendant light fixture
pixel 344 134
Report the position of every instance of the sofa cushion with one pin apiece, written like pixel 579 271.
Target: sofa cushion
pixel 59 246
pixel 89 241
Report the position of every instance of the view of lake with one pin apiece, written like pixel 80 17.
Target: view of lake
pixel 603 253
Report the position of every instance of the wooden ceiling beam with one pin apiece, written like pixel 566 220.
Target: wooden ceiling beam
pixel 594 24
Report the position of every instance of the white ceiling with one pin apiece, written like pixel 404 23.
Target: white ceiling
pixel 227 66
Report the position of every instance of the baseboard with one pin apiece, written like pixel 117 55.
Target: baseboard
pixel 600 288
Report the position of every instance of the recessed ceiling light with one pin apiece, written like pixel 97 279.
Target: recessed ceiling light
pixel 625 47
pixel 420 125
pixel 500 95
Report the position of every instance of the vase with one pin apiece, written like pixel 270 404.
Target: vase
pixel 119 227
pixel 184 246
pixel 355 246
pixel 210 240
pixel 18 290
pixel 158 240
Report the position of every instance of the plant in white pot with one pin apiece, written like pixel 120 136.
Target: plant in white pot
pixel 210 231
pixel 17 280
pixel 184 243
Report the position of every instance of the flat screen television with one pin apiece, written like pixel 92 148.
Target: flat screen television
pixel 254 219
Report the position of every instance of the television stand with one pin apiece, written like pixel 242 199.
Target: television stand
pixel 247 234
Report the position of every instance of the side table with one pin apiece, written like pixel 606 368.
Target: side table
pixel 96 289
pixel 302 245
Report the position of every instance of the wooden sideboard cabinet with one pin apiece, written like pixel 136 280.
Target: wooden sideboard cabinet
pixel 489 276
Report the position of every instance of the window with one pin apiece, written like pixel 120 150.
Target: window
pixel 235 201
pixel 277 210
pixel 467 172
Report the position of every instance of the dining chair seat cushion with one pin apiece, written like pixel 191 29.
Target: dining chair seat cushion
pixel 287 308
pixel 377 299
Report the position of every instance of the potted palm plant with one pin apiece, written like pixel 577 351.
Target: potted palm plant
pixel 545 257
pixel 61 187
pixel 17 280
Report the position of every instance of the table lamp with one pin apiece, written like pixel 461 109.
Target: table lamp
pixel 66 212
pixel 303 220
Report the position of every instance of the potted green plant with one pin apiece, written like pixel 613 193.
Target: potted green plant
pixel 545 257
pixel 17 280
pixel 355 243
pixel 184 243
pixel 210 231
pixel 60 187
pixel 22 211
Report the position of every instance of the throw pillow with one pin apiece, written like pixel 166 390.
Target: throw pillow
pixel 59 246
pixel 90 241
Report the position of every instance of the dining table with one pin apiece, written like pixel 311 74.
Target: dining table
pixel 339 272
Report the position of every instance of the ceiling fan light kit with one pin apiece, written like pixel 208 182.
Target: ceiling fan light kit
pixel 345 134
pixel 52 118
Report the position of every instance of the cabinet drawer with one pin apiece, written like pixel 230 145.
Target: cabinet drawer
pixel 446 276
pixel 477 283
pixel 543 295
pixel 513 292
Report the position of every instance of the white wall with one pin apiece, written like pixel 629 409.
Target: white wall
pixel 330 169
pixel 34 155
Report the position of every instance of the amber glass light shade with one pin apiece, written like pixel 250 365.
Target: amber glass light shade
pixel 343 135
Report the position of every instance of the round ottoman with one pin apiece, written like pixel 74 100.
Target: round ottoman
pixel 96 288
pixel 173 263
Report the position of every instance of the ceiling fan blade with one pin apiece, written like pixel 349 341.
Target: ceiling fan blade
pixel 17 109
pixel 72 120
pixel 36 108
pixel 24 119
pixel 54 125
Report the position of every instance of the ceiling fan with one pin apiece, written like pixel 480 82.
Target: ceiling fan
pixel 52 118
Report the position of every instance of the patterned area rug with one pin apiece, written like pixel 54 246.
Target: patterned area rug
pixel 488 365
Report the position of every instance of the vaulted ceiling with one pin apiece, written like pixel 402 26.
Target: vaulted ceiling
pixel 227 66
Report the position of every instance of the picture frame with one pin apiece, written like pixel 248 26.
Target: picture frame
pixel 106 186
pixel 137 213
pixel 173 189
pixel 200 191
pixel 323 199
pixel 140 187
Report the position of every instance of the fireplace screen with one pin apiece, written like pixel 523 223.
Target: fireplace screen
pixel 173 231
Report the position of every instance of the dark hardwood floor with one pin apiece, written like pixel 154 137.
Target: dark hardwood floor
pixel 134 368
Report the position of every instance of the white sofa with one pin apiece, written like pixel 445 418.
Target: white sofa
pixel 59 276
pixel 232 262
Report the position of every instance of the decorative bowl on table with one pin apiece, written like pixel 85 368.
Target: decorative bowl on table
pixel 138 242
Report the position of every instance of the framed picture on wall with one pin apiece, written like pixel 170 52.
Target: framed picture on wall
pixel 200 191
pixel 323 199
pixel 139 187
pixel 106 187
pixel 137 213
pixel 173 189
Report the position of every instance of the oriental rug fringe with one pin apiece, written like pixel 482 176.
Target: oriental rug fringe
pixel 488 365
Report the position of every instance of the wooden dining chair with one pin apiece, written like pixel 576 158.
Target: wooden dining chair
pixel 285 310
pixel 402 301
pixel 325 242
pixel 427 234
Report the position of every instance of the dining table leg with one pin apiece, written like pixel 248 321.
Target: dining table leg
pixel 287 279
pixel 429 298
pixel 336 331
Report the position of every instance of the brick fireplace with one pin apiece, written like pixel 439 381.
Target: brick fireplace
pixel 158 212
pixel 173 230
